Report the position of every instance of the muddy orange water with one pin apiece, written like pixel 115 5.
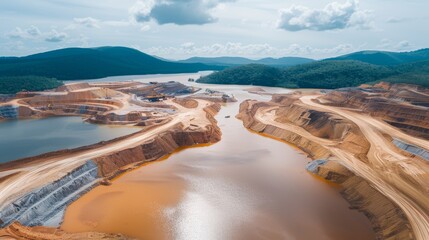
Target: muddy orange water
pixel 245 187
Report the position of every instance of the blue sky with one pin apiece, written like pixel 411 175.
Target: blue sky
pixel 178 29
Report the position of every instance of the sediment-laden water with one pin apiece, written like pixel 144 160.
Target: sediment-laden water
pixel 247 186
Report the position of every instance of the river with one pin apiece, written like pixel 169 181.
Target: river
pixel 246 186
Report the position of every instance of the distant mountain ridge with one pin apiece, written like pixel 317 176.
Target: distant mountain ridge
pixel 382 58
pixel 385 58
pixel 234 61
pixel 91 63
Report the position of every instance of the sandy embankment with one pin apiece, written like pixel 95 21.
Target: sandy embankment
pixel 384 182
pixel 189 126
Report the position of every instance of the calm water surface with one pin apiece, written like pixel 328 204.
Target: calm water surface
pixel 25 138
pixel 245 187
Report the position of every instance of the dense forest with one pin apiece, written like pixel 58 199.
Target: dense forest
pixel 90 63
pixel 12 85
pixel 412 73
pixel 251 74
pixel 328 74
pixel 384 58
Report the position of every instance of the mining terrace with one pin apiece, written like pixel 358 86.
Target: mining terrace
pixel 371 140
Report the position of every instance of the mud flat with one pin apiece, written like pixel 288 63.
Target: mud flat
pixel 356 150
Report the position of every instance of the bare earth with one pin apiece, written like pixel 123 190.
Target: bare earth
pixel 383 159
pixel 38 174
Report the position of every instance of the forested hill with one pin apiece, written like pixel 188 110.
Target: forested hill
pixel 384 58
pixel 12 85
pixel 90 63
pixel 323 74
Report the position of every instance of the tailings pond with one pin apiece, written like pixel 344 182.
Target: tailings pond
pixel 26 138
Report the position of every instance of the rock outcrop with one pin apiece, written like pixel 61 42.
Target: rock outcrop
pixel 46 205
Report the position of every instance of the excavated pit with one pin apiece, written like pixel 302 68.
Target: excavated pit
pixel 403 106
pixel 45 206
pixel 388 220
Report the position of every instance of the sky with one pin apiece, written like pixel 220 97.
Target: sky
pixel 178 29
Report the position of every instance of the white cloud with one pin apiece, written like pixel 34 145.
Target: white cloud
pixel 145 28
pixel 141 10
pixel 386 44
pixel 190 49
pixel 18 33
pixel 242 22
pixel 395 20
pixel 83 40
pixel 403 45
pixel 333 16
pixel 188 45
pixel 180 12
pixel 298 50
pixel 33 31
pixel 88 22
pixel 122 23
pixel 55 36
pixel 14 46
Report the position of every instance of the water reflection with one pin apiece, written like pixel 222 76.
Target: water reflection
pixel 25 138
pixel 244 187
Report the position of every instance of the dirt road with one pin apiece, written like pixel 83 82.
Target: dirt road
pixel 384 160
pixel 40 173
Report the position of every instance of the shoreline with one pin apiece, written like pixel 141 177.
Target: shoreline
pixel 112 167
pixel 356 198
pixel 149 149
